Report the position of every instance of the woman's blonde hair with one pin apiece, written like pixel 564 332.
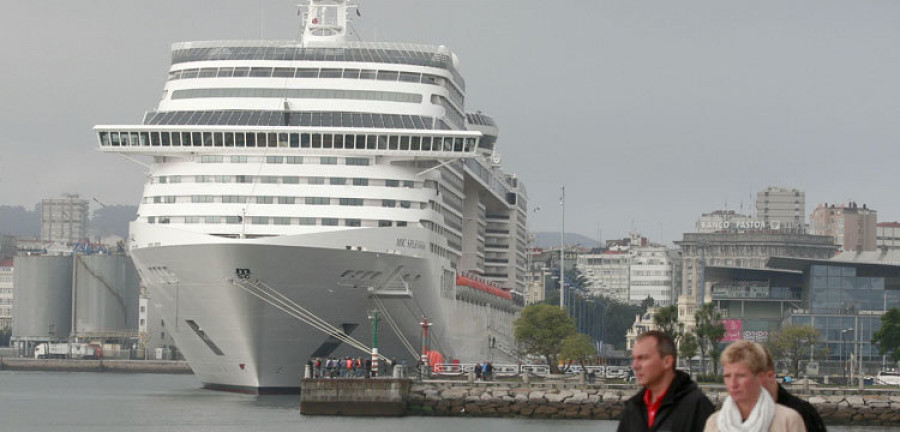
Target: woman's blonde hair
pixel 749 353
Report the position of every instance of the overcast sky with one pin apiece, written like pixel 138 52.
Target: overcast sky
pixel 650 113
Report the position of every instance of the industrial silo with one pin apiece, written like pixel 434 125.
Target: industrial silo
pixel 43 292
pixel 106 291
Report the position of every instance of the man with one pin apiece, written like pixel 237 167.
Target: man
pixel 811 417
pixel 670 400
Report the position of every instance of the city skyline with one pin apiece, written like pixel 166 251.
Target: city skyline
pixel 649 115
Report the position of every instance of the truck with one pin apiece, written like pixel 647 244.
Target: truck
pixel 67 350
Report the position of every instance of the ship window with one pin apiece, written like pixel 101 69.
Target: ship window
pixel 163 220
pixel 268 179
pixel 286 200
pixel 243 179
pixel 351 201
pixel 273 140
pixel 416 143
pixel 136 139
pixel 282 140
pixel 329 221
pixel 326 141
pixel 384 223
pixel 291 180
pixel 207 139
pixel 318 200
pixel 232 219
pixel 251 140
pixel 154 139
pixel 283 73
pixel 338 141
pixel 401 223
pixel 367 120
pixel 261 72
pixel 392 183
pixel 229 139
pixel 352 222
pixel 358 161
pixel 151 219
pixel 293 159
pixel 338 181
pixel 409 77
pixel 213 219
pixel 408 184
pixel 426 143
pixel 367 74
pixel 307 221
pixel 316 140
pixel 351 73
pixel 329 160
pixel 382 142
pixel 259 220
pixel 219 139
pixel 239 159
pixel 330 73
pixel 192 219
pixel 417 121
pixel 189 73
pixel 165 139
pixel 281 220
pixel 388 203
pixel 405 204
pixel 457 144
pixel 225 72
pixel 360 182
pixel 265 200
pixel 207 73
pixel 104 139
pixel 304 140
pixel 387 75
pixel 394 142
pixel 404 143
pixel 360 142
pixel 306 73
pixel 316 180
pixel 295 140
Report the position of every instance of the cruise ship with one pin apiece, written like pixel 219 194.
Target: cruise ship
pixel 323 197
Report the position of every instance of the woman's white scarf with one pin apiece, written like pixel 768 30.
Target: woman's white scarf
pixel 760 417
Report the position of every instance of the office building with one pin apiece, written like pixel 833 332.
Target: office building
pixel 785 206
pixel 851 226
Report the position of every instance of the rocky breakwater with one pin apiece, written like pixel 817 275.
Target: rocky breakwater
pixel 606 402
pixel 502 399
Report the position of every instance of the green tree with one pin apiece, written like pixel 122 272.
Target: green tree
pixel 647 303
pixel 617 318
pixel 792 344
pixel 578 348
pixel 688 348
pixel 709 331
pixel 666 319
pixel 888 337
pixel 541 330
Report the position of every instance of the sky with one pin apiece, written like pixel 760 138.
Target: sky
pixel 649 113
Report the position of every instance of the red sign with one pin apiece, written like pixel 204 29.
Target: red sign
pixel 733 329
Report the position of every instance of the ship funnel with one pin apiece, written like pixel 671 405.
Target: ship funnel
pixel 325 22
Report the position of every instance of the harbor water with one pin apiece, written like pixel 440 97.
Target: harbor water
pixel 101 402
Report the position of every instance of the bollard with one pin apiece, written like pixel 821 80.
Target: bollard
pixel 471 376
pixel 526 377
pixel 399 371
pixel 307 372
pixel 581 377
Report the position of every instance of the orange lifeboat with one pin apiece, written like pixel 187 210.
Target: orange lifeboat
pixel 489 288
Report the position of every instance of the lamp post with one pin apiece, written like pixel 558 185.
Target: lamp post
pixel 843 348
pixel 374 317
pixel 562 252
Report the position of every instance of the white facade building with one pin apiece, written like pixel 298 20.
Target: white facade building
pixel 786 206
pixel 651 275
pixel 608 274
pixel 6 292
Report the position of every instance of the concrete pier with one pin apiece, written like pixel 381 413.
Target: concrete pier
pixel 120 366
pixel 356 397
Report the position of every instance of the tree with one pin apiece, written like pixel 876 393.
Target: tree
pixel 709 331
pixel 647 303
pixel 688 348
pixel 666 319
pixel 541 330
pixel 888 337
pixel 792 344
pixel 578 348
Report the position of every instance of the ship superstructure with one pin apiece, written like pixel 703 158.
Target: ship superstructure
pixel 295 187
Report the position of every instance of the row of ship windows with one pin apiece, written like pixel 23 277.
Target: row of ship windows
pixel 334 181
pixel 323 160
pixel 283 72
pixel 296 118
pixel 274 220
pixel 292 140
pixel 298 94
pixel 269 199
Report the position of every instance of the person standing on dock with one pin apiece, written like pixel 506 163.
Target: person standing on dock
pixel 811 417
pixel 669 400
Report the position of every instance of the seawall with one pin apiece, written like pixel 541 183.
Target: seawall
pixel 120 366
pixel 602 402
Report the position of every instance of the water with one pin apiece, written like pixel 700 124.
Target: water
pixel 101 402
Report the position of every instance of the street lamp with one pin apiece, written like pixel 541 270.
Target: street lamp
pixel 843 348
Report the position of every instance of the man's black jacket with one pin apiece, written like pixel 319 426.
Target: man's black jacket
pixel 684 409
pixel 811 417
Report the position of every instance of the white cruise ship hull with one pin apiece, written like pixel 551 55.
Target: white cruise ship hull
pixel 237 341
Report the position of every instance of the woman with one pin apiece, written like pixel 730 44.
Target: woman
pixel 749 408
